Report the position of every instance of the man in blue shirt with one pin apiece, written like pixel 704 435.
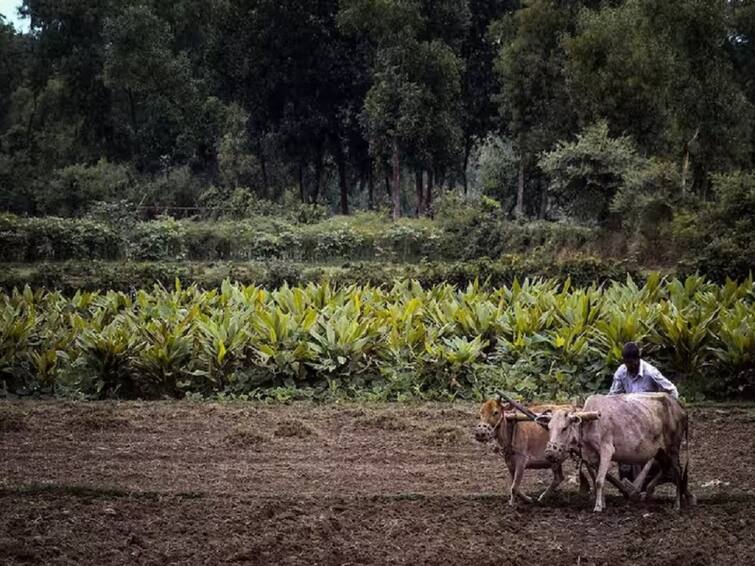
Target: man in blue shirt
pixel 636 375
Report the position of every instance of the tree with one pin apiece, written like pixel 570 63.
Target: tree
pixel 479 84
pixel 160 97
pixel 12 58
pixel 68 53
pixel 659 71
pixel 533 101
pixel 585 175
pixel 741 47
pixel 412 107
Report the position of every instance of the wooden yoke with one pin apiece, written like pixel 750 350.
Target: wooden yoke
pixel 521 408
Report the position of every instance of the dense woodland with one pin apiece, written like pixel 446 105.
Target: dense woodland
pixel 633 116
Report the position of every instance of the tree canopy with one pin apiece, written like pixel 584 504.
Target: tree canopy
pixel 335 99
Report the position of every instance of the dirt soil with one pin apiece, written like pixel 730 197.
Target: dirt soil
pixel 201 483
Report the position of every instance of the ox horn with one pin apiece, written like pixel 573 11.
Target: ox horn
pixel 543 418
pixel 585 416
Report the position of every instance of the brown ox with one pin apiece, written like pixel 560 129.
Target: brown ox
pixel 629 429
pixel 522 445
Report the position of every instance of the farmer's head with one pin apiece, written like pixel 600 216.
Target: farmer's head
pixel 631 356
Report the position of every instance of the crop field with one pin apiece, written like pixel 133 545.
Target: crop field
pixel 176 482
pixel 540 338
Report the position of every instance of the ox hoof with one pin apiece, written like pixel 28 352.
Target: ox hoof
pixel 598 509
pixel 516 497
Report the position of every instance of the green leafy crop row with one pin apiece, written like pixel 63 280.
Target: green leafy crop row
pixel 538 338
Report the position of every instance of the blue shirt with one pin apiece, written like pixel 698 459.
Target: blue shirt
pixel 647 380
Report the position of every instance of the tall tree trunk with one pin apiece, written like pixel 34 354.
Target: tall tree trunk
pixel 343 181
pixel 30 129
pixel 134 123
pixel 543 201
pixel 396 189
pixel 388 186
pixel 318 177
pixel 685 161
pixel 263 166
pixel 467 151
pixel 429 193
pixel 302 192
pixel 418 185
pixel 370 189
pixel 362 183
pixel 519 210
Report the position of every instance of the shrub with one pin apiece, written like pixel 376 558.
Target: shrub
pixel 586 174
pixel 159 239
pixel 74 189
pixel 719 239
pixel 51 238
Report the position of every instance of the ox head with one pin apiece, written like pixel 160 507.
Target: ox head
pixel 491 412
pixel 563 432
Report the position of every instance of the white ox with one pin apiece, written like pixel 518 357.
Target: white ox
pixel 634 428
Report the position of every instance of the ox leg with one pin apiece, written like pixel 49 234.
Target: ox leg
pixel 519 467
pixel 558 477
pixel 648 493
pixel 606 453
pixel 639 481
pixel 584 480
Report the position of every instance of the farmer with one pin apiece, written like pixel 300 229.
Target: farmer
pixel 638 376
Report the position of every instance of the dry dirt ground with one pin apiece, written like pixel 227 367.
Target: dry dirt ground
pixel 201 483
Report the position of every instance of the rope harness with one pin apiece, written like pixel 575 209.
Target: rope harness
pixel 507 449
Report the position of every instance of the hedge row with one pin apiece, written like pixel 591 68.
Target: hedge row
pixel 363 237
pixel 72 276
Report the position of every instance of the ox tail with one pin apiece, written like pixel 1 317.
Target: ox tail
pixel 684 484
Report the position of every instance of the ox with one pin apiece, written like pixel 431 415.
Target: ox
pixel 522 445
pixel 636 428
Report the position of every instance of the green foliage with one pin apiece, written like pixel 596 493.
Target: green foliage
pixel 161 239
pixel 496 167
pixel 720 239
pixel 533 100
pixel 68 277
pixel 35 239
pixel 587 173
pixel 540 338
pixel 76 187
pixel 636 65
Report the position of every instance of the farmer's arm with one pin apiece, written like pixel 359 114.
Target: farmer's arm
pixel 664 384
pixel 618 382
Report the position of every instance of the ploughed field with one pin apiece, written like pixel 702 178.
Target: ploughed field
pixel 201 483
